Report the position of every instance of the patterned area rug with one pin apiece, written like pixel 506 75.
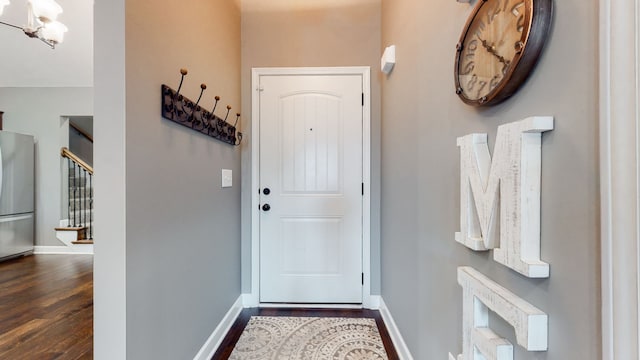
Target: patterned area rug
pixel 309 338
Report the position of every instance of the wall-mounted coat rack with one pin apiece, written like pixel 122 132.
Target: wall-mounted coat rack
pixel 181 110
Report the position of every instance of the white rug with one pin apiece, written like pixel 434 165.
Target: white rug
pixel 309 338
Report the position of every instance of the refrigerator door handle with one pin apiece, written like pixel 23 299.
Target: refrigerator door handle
pixel 5 219
pixel 1 173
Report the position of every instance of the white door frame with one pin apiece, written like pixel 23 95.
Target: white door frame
pixel 619 177
pixel 253 299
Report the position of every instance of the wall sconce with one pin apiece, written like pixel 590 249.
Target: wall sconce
pixel 388 60
pixel 41 21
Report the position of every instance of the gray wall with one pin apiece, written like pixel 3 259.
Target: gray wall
pixel 182 228
pixel 78 143
pixel 290 34
pixel 422 117
pixel 39 112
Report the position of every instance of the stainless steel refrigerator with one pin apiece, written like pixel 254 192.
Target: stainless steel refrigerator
pixel 16 194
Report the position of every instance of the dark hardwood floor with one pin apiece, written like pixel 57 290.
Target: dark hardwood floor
pixel 230 340
pixel 46 310
pixel 46 307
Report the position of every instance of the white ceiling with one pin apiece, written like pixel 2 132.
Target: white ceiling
pixel 26 62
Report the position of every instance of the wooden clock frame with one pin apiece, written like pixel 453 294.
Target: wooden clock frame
pixel 538 15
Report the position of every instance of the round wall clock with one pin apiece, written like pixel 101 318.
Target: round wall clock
pixel 499 47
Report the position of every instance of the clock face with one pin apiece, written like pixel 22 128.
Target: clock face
pixel 493 45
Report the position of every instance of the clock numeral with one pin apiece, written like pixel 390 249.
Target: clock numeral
pixel 480 29
pixel 482 84
pixel 515 10
pixel 493 12
pixel 468 68
pixel 471 50
pixel 494 82
pixel 473 45
pixel 505 67
pixel 472 82
pixel 520 24
pixel 518 11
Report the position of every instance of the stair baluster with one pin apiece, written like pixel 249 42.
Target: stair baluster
pixel 80 204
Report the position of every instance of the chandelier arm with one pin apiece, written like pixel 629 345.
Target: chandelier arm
pixel 51 45
pixel 11 25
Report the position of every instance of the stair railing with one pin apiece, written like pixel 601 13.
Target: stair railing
pixel 80 192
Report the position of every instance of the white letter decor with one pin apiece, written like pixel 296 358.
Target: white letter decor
pixel 479 295
pixel 500 197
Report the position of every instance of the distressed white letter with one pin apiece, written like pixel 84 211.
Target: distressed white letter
pixel 507 188
pixel 479 295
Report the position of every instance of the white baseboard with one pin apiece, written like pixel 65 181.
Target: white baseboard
pixel 63 250
pixel 213 342
pixel 250 301
pixel 394 332
pixel 373 303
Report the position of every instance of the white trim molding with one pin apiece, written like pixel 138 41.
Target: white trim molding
pixel 398 342
pixel 63 250
pixel 252 300
pixel 619 177
pixel 215 339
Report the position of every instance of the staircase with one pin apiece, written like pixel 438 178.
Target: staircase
pixel 76 231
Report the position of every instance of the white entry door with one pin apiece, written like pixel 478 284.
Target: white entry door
pixel 311 188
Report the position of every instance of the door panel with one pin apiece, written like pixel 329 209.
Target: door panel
pixel 307 246
pixel 311 160
pixel 16 234
pixel 17 174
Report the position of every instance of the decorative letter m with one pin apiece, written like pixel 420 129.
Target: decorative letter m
pixel 500 197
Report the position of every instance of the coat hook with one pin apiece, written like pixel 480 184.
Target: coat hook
pixel 183 72
pixel 174 102
pixel 203 87
pixel 237 118
pixel 228 109
pixel 217 98
pixel 239 137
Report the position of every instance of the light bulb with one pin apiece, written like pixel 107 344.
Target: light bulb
pixel 3 3
pixel 45 10
pixel 53 32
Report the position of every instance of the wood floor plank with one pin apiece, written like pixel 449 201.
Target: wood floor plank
pixel 46 307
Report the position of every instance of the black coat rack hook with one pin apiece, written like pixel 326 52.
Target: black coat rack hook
pixel 216 98
pixel 228 109
pixel 203 87
pixel 184 73
pixel 181 110
pixel 239 138
pixel 238 134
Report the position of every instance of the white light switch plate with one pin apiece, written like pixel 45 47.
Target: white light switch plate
pixel 227 178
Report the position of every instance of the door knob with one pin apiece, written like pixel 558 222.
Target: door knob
pixel 266 191
pixel 266 207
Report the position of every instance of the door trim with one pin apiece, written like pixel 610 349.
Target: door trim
pixel 253 300
pixel 620 177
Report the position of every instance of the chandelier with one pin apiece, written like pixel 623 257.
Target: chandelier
pixel 41 21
